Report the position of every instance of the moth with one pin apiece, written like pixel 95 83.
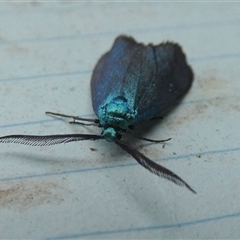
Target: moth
pixel 131 83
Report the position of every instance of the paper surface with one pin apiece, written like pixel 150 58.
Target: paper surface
pixel 48 51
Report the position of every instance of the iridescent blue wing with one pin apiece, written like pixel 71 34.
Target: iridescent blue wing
pixel 112 75
pixel 170 80
pixel 151 78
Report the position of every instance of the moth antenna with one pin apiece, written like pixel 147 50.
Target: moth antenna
pixel 153 167
pixel 47 140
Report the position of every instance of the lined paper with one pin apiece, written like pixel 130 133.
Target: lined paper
pixel 93 189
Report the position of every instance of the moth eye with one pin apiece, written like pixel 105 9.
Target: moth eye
pixel 119 136
pixel 130 127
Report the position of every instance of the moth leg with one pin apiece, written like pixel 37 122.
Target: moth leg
pixel 75 118
pixel 82 123
pixel 131 127
pixel 156 118
pixel 85 124
pixel 152 140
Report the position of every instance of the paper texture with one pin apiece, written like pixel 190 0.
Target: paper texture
pixel 93 189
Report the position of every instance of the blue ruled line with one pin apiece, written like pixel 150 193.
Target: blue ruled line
pixel 216 24
pixel 108 231
pixel 149 228
pixel 64 74
pixel 118 165
pixel 74 73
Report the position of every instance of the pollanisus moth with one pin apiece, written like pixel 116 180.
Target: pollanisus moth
pixel 132 83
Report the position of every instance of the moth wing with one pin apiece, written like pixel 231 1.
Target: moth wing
pixel 112 76
pixel 168 80
pixel 151 78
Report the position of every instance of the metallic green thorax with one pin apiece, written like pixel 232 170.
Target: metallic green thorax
pixel 114 116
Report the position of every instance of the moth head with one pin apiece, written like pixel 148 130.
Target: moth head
pixel 111 134
pixel 116 112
